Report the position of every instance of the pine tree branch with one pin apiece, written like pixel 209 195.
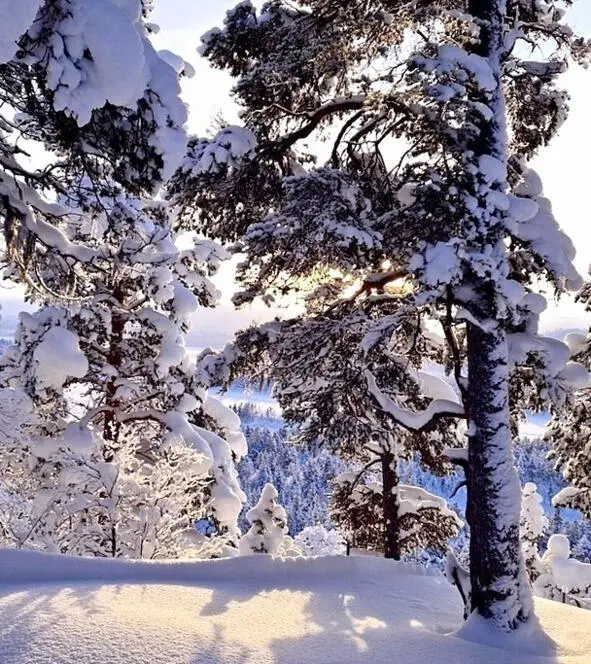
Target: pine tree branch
pixel 377 281
pixel 414 421
pixel 315 118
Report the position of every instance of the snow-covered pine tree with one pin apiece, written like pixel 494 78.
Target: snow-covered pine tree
pixel 450 216
pixel 115 394
pixel 126 449
pixel 417 521
pixel 532 527
pixel 570 430
pixel 268 527
pixel 326 397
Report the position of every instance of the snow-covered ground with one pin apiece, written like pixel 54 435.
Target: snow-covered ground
pixel 256 610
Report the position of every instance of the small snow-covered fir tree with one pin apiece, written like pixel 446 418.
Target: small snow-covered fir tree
pixel 268 525
pixel 452 232
pixel 533 525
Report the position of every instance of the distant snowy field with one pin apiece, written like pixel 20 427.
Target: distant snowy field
pixel 256 610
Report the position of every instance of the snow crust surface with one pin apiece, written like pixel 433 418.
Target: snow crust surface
pixel 259 610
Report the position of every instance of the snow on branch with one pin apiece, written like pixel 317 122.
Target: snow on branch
pixel 411 420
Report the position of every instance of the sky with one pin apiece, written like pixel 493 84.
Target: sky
pixel 565 166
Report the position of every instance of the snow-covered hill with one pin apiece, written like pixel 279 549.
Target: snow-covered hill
pixel 58 610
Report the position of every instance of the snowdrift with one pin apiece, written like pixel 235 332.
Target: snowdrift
pixel 258 610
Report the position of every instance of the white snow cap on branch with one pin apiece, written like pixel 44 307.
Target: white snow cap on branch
pixel 565 495
pixel 96 52
pixel 407 418
pixel 229 422
pixel 58 357
pixel 555 355
pixel 434 387
pixel 452 58
pixel 228 147
pixel 86 69
pixel 413 499
pixel 535 223
pixel 576 342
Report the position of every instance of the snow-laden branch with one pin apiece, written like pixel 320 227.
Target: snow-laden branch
pixel 412 420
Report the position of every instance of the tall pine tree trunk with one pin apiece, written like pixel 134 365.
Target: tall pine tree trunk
pixel 500 590
pixel 111 425
pixel 390 502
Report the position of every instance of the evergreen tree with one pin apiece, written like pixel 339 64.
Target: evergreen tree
pixel 421 519
pixel 533 525
pixel 268 526
pixel 301 476
pixel 569 433
pixel 124 450
pixel 116 399
pixel 453 230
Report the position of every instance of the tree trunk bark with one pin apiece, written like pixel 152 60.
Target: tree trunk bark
pixel 111 425
pixel 390 502
pixel 500 590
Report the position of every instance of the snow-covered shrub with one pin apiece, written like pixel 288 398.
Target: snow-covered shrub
pixel 563 578
pixel 289 548
pixel 319 541
pixel 268 525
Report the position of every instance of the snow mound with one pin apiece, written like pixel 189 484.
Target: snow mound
pixel 259 610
